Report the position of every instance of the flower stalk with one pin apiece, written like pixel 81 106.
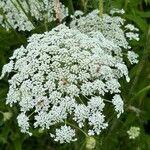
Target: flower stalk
pixel 100 8
pixel 85 2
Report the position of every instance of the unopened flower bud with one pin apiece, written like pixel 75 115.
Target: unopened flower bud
pixel 41 130
pixel 90 143
pixel 7 116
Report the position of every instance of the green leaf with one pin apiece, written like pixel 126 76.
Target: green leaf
pixel 144 14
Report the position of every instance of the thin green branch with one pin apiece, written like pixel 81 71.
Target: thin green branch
pixel 101 8
pixel 45 22
pixel 84 3
pixel 69 3
pixel 142 91
pixel 81 100
pixel 77 128
pixel 126 4
pixel 31 114
pixel 29 17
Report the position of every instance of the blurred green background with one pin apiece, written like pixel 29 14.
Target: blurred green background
pixel 136 93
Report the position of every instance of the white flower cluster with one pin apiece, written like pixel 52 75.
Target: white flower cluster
pixel 112 27
pixel 133 57
pixel 118 103
pixel 64 135
pixel 134 132
pixel 114 11
pixel 65 74
pixel 23 123
pixel 21 14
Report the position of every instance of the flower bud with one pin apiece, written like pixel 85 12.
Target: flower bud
pixel 7 116
pixel 90 143
pixel 40 130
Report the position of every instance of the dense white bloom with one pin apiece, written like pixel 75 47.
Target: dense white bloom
pixel 63 75
pixel 64 135
pixel 23 122
pixel 96 104
pixel 115 33
pixel 22 14
pixel 97 121
pixel 118 103
pixel 132 36
pixel 81 113
pixel 132 56
pixel 134 132
pixel 113 11
pixel 110 26
pixel 131 27
pixel 7 68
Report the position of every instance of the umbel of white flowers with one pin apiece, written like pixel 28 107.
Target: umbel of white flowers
pixel 62 77
pixel 133 132
pixel 113 28
pixel 20 14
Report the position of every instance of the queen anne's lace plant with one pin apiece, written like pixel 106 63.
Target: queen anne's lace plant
pixel 20 14
pixel 132 56
pixel 62 76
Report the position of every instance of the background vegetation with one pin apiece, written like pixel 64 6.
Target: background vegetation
pixel 136 93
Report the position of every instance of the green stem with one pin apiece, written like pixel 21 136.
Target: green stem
pixel 45 16
pixel 29 17
pixel 126 4
pixel 141 91
pixel 101 8
pixel 107 101
pixel 102 98
pixel 28 7
pixel 69 3
pixel 84 2
pixel 81 100
pixel 45 22
pixel 31 114
pixel 17 144
pixel 1 112
pixel 77 128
